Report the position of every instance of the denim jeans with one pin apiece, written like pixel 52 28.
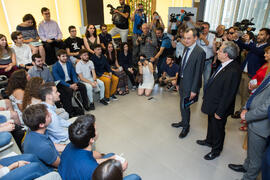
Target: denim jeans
pixel 5 137
pixel 89 90
pixel 206 72
pixel 29 171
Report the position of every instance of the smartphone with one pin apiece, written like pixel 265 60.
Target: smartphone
pixel 218 39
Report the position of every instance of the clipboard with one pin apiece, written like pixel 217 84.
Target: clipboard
pixel 188 102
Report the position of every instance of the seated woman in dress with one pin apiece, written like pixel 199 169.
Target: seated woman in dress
pixel 15 91
pixel 7 58
pixel 111 56
pixel 91 39
pixel 31 92
pixel 146 70
pixel 125 61
pixel 28 28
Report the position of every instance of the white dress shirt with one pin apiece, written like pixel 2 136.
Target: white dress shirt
pixel 223 65
pixel 64 67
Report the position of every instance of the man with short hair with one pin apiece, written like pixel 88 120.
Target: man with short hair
pixel 40 69
pixel 22 51
pixel 254 60
pixel 73 45
pixel 189 77
pixel 104 37
pixel 205 41
pixel 87 74
pixel 104 73
pixel 64 72
pixel 36 141
pixel 56 130
pixel 50 35
pixel 147 42
pixel 170 74
pixel 123 11
pixel 219 98
pixel 165 49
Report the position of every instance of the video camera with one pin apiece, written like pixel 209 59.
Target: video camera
pixel 112 8
pixel 186 15
pixel 173 17
pixel 245 24
pixel 145 59
pixel 117 19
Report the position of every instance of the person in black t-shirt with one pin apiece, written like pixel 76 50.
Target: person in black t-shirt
pixel 122 24
pixel 73 45
pixel 104 37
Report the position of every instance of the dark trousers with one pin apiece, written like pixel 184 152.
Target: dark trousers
pixel 185 112
pixel 266 164
pixel 66 94
pixel 131 76
pixel 50 51
pixel 216 133
pixel 160 65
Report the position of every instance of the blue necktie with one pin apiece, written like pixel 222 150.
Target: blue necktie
pixel 184 62
pixel 257 91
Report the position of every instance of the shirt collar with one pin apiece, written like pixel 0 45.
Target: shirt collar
pixel 226 63
pixel 192 47
pixel 257 45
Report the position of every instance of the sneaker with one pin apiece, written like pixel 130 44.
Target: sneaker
pixel 114 97
pixel 92 106
pixel 134 88
pixel 103 101
pixel 107 100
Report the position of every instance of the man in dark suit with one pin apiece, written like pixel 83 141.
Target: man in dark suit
pixel 189 77
pixel 219 98
pixel 64 72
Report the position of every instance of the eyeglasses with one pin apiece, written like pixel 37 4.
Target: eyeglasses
pixel 231 33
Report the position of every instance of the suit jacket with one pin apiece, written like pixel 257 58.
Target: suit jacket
pixel 257 115
pixel 59 75
pixel 220 93
pixel 192 75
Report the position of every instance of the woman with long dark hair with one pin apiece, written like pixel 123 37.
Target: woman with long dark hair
pixel 30 35
pixel 91 39
pixel 7 58
pixel 125 61
pixel 118 70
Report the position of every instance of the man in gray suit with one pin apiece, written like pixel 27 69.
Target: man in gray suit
pixel 189 77
pixel 256 114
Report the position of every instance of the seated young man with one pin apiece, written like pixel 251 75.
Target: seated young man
pixel 57 129
pixel 87 74
pixel 22 51
pixel 64 72
pixel 40 69
pixel 104 36
pixel 73 45
pixel 170 74
pixel 36 141
pixel 78 161
pixel 104 73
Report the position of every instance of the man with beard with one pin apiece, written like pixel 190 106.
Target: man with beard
pixel 40 69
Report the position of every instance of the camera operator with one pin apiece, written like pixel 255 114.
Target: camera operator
pixel 178 43
pixel 205 41
pixel 147 42
pixel 165 49
pixel 254 60
pixel 139 18
pixel 156 22
pixel 122 26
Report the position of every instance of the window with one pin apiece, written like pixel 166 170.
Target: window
pixel 227 12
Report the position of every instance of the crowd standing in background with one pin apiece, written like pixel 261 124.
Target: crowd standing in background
pixel 52 80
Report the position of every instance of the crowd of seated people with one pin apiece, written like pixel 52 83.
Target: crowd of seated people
pixel 93 64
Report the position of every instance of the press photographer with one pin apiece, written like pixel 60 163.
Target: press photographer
pixel 254 60
pixel 205 41
pixel 147 42
pixel 120 17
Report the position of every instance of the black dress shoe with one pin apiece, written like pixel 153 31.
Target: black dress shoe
pixel 211 155
pixel 237 168
pixel 184 132
pixel 177 125
pixel 236 115
pixel 203 143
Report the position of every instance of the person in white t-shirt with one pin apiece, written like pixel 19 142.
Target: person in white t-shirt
pixel 86 72
pixel 22 51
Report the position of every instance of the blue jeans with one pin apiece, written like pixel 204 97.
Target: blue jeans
pixel 89 90
pixel 206 71
pixel 29 171
pixel 161 65
pixel 5 137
